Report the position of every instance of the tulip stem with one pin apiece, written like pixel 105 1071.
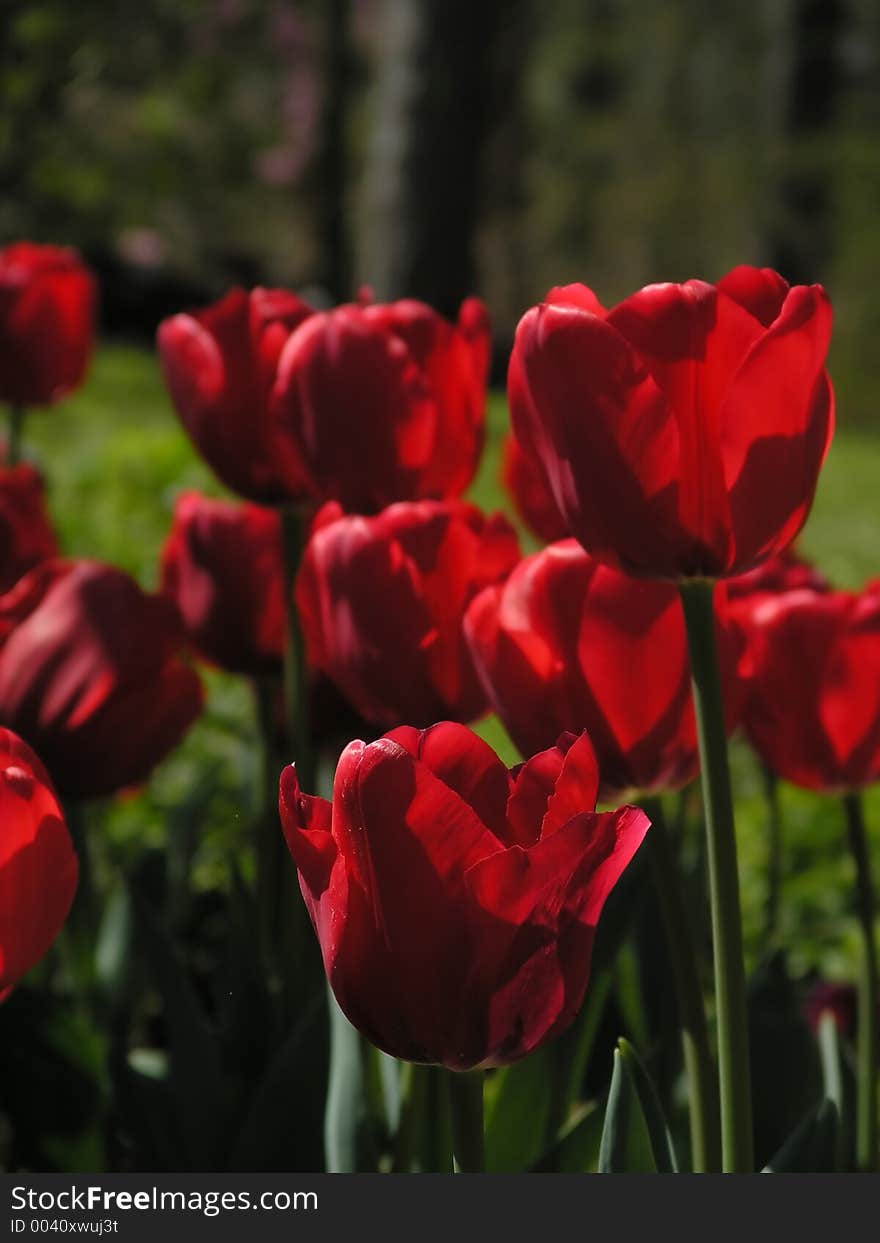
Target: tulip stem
pixel 737 1144
pixel 869 991
pixel 13 443
pixel 294 531
pixel 775 857
pixel 699 1071
pixel 466 1106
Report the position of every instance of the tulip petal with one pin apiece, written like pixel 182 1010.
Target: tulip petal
pixel 760 290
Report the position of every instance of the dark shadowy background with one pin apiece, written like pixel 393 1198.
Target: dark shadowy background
pixel 440 147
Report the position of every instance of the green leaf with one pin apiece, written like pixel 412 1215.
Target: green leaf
pixel 346 1114
pixel 812 1147
pixel 576 1150
pixel 516 1125
pixel 635 1137
pixel 201 1090
pixel 281 1130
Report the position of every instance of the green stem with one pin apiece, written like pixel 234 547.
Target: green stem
pixel 730 981
pixel 699 1070
pixel 294 530
pixel 466 1106
pixel 13 442
pixel 775 857
pixel 869 991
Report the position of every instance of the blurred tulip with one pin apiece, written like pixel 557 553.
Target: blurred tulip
pixel 385 402
pixel 90 675
pixel 813 703
pixel 841 1000
pixel 525 481
pixel 567 644
pixel 683 431
pixel 47 323
pixel 219 366
pixel 222 567
pixel 26 535
pixel 38 867
pixel 456 902
pixel 382 599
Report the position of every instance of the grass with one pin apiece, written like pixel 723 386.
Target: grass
pixel 115 457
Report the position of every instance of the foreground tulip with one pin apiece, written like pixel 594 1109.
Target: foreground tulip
pixel 382 601
pixel 26 535
pixel 524 480
pixel 90 675
pixel 386 403
pixel 38 867
pixel 47 313
pixel 222 567
pixel 567 643
pixel 682 431
pixel 219 366
pixel 456 902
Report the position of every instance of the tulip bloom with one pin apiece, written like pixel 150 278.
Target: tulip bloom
pixel 47 328
pixel 222 566
pixel 90 675
pixel 456 902
pixel 813 703
pixel 682 431
pixel 567 643
pixel 26 535
pixel 524 479
pixel 38 867
pixel 386 403
pixel 219 367
pixel 381 602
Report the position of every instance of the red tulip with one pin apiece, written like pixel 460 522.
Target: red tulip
pixel 382 599
pixel 26 535
pixel 90 675
pixel 386 403
pixel 813 704
pixel 456 902
pixel 47 323
pixel 219 366
pixel 786 572
pixel 567 644
pixel 38 868
pixel 222 567
pixel 681 432
pixel 525 481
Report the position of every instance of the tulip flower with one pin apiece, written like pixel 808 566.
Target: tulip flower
pixel 38 867
pixel 456 902
pixel 47 314
pixel 222 566
pixel 566 643
pixel 813 702
pixel 26 535
pixel 385 403
pixel 219 366
pixel 382 599
pixel 524 480
pixel 682 431
pixel 91 676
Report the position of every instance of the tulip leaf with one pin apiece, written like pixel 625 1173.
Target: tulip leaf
pixel 635 1137
pixel 200 1088
pixel 576 1150
pixel 283 1121
pixel 346 1112
pixel 516 1125
pixel 812 1147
